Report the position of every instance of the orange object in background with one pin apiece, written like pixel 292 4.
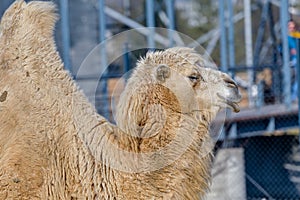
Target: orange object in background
pixel 295 34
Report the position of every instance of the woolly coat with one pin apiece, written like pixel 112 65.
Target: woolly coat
pixel 53 144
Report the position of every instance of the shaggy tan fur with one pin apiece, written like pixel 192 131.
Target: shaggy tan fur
pixel 53 144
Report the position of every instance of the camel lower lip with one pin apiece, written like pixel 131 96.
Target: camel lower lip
pixel 231 102
pixel 234 106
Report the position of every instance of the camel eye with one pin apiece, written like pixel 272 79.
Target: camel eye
pixel 193 78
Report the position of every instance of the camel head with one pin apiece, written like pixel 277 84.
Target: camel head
pixel 196 86
pixel 177 81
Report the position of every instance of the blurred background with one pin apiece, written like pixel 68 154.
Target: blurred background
pixel 257 152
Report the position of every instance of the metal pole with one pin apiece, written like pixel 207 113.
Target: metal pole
pixel 248 46
pixel 223 45
pixel 64 13
pixel 231 35
pixel 102 20
pixel 276 73
pixel 298 82
pixel 103 83
pixel 102 30
pixel 126 59
pixel 127 8
pixel 261 32
pixel 134 25
pixel 150 23
pixel 285 53
pixel 171 16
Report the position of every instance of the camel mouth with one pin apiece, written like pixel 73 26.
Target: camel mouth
pixel 234 105
pixel 234 96
pixel 232 102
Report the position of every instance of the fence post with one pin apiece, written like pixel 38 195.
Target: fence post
pixel 64 12
pixel 223 42
pixel 150 23
pixel 231 36
pixel 171 17
pixel 286 71
pixel 298 82
pixel 249 49
pixel 126 59
pixel 103 56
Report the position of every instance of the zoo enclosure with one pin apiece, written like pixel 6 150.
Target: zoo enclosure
pixel 262 114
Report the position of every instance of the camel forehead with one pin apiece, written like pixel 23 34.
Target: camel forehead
pixel 181 59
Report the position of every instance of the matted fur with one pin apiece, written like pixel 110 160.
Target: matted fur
pixel 53 144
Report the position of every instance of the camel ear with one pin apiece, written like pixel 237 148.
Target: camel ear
pixel 163 72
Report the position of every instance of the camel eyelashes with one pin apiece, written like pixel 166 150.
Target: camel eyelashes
pixel 193 78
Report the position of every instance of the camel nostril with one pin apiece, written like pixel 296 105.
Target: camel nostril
pixel 230 82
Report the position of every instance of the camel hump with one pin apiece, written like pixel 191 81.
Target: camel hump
pixel 36 16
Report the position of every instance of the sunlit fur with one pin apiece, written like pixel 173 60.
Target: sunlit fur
pixel 53 144
pixel 156 112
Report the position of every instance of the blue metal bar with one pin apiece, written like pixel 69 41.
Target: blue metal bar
pixel 261 32
pixel 102 30
pixel 276 72
pixel 126 59
pixel 231 35
pixel 171 16
pixel 64 13
pixel 298 81
pixel 150 23
pixel 103 56
pixel 223 45
pixel 249 50
pixel 102 20
pixel 285 53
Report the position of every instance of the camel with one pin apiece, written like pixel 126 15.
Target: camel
pixel 54 145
